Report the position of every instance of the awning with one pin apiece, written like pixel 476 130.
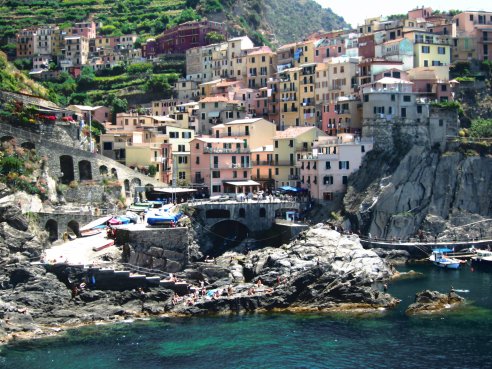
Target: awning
pixel 174 190
pixel 214 114
pixel 244 183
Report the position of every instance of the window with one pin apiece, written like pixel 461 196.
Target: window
pixel 181 148
pixel 425 49
pixel 362 148
pixel 276 171
pixel 182 175
pixel 441 122
pixel 107 146
pixel 173 134
pixel 444 88
pixel 366 98
pixel 328 180
pixel 197 146
pixel 185 134
pixel 197 161
pixel 216 188
pixel 441 50
pixel 328 196
pixel 419 109
pixel 276 144
pixel 327 165
pixel 392 97
pixel 403 112
pixel 471 17
pixel 344 180
pixel 406 98
pixel 182 160
pixel 245 174
pixel 343 165
pixel 216 174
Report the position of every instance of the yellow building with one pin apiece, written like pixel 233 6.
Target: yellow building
pixel 430 49
pixel 307 95
pixel 288 147
pixel 255 132
pixel 263 168
pixel 289 97
pixel 261 65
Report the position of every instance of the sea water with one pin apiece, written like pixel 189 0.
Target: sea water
pixel 389 339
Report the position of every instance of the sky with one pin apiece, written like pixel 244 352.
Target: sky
pixel 354 12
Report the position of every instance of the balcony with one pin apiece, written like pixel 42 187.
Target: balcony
pixel 213 150
pixel 199 180
pixel 232 134
pixel 263 163
pixel 294 177
pixel 286 163
pixel 232 166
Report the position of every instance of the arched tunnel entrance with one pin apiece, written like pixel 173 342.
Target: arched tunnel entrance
pixel 227 235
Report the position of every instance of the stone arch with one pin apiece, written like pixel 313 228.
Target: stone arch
pixel 262 212
pixel 51 227
pixel 85 170
pixel 136 182
pixel 217 214
pixel 28 145
pixel 73 226
pixel 226 235
pixel 242 213
pixel 114 173
pixel 126 183
pixel 66 168
pixel 103 170
pixel 149 187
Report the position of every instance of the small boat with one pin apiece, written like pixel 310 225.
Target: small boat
pixel 439 258
pixel 482 260
pixel 90 232
pixel 163 218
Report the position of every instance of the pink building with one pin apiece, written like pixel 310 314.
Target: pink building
pixel 328 48
pixel 326 171
pixel 221 164
pixel 86 29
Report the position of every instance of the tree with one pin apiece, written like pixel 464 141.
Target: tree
pixel 157 83
pixel 481 128
pixel 117 105
pixel 214 37
pixel 152 170
pixel 86 78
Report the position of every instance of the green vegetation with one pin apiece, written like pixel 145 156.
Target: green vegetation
pixel 448 105
pixel 481 128
pixel 18 168
pixel 11 79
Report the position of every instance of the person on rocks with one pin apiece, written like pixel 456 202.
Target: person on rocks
pixel 258 283
pixel 385 287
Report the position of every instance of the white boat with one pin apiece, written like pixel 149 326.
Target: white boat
pixel 483 260
pixel 439 259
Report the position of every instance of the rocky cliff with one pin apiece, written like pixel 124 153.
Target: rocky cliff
pixel 396 195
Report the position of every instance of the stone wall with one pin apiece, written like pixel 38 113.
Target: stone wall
pixel 163 249
pixel 248 213
pixel 395 133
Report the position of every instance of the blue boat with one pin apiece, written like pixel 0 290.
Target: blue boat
pixel 163 218
pixel 440 259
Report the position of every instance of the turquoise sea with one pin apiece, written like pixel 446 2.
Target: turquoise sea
pixel 460 339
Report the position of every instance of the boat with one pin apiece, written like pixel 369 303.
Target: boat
pixel 90 232
pixel 96 223
pixel 439 258
pixel 482 260
pixel 118 220
pixel 163 218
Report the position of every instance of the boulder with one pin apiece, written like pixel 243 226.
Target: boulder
pixel 427 302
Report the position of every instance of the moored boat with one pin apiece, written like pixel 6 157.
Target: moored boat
pixel 482 260
pixel 439 258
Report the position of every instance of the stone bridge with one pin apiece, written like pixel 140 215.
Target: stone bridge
pixel 68 163
pixel 225 225
pixel 57 223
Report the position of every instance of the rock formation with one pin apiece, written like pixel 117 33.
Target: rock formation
pixel 427 190
pixel 427 302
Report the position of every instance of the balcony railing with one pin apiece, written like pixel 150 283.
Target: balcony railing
pixel 263 162
pixel 209 150
pixel 294 177
pixel 232 134
pixel 231 166
pixel 283 163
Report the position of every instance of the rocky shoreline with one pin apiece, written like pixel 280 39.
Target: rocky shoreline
pixel 321 270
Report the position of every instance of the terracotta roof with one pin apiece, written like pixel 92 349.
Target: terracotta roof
pixel 227 83
pixel 214 99
pixel 394 41
pixel 292 132
pixel 261 50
